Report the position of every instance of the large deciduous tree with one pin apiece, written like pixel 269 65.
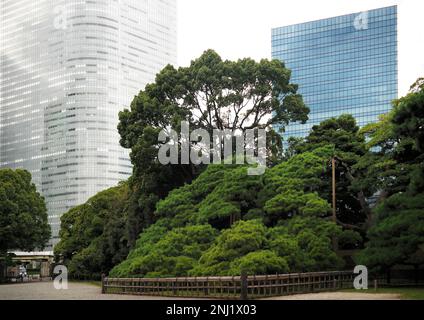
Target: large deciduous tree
pixel 23 213
pixel 210 94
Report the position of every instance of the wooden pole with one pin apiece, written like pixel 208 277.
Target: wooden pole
pixel 333 169
pixel 243 289
pixel 333 178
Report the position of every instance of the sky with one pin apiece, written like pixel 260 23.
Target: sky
pixel 242 28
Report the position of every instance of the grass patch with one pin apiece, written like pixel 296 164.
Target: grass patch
pixel 406 293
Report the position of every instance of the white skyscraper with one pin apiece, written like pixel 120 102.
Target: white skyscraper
pixel 67 68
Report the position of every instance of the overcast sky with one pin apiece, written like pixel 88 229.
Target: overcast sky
pixel 242 28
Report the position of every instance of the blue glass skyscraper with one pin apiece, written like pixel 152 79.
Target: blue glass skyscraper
pixel 343 65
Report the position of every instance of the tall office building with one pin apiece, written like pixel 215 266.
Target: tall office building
pixel 67 68
pixel 345 64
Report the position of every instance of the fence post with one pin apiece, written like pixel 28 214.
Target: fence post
pixel 206 288
pixel 174 287
pixel 243 291
pixel 311 280
pixel 103 284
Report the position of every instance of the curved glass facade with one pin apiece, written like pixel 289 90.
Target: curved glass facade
pixel 67 68
pixel 345 64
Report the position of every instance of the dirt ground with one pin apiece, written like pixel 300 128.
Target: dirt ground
pixel 75 291
pixel 87 291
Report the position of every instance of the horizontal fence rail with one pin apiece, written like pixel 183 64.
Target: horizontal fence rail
pixel 400 278
pixel 232 287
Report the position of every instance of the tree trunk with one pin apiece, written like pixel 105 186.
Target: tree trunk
pixel 416 274
pixel 3 267
pixel 361 197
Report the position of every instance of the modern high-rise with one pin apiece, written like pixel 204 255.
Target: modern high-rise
pixel 343 65
pixel 67 68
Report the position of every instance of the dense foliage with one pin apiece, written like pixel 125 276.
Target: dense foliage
pixel 210 94
pixel 283 215
pixel 187 219
pixel 23 213
pixel 397 233
pixel 342 133
pixel 98 234
pixel 92 235
pixel 282 224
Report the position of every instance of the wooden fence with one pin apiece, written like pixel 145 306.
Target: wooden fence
pixel 237 287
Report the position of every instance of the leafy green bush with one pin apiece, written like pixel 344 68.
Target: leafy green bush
pixel 173 253
pixel 92 235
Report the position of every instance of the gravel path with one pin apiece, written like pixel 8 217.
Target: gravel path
pixel 76 291
pixel 86 291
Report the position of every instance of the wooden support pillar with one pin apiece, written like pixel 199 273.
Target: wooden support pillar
pixel 243 291
pixel 103 283
pixel 333 178
pixel 333 185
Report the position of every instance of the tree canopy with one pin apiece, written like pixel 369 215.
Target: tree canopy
pixel 282 224
pixel 349 147
pixel 92 235
pixel 210 94
pixel 23 213
pixel 215 219
pixel 396 236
